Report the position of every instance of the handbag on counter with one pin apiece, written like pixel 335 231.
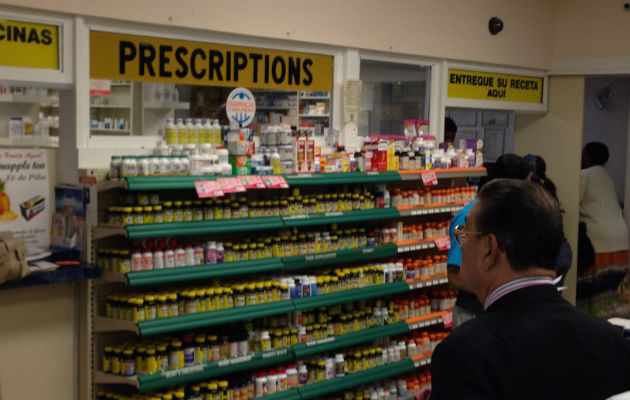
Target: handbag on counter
pixel 12 257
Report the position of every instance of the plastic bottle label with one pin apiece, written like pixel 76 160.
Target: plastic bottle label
pixel 147 262
pixel 189 356
pixel 137 262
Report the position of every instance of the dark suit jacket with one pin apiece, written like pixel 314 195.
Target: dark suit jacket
pixel 532 344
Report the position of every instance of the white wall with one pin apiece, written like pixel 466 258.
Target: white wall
pixel 38 343
pixel 591 28
pixel 453 29
pixel 557 137
pixel 609 125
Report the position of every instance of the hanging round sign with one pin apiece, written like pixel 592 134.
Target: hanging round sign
pixel 241 106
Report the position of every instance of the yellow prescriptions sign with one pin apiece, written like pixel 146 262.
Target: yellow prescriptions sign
pixel 29 45
pixel 140 58
pixel 498 87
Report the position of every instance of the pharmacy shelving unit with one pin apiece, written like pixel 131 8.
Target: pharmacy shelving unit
pixel 106 330
pixel 118 104
pixel 23 105
pixel 156 108
pixel 272 104
pixel 320 117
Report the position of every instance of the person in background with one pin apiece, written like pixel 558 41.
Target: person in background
pixel 538 174
pixel 467 306
pixel 450 130
pixel 603 278
pixel 529 343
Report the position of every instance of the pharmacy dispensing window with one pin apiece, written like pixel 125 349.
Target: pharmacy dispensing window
pixel 139 83
pixel 392 93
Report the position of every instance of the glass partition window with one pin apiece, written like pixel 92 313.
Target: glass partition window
pixel 125 108
pixel 392 93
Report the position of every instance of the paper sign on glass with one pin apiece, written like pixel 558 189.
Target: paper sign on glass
pixel 231 185
pixel 208 189
pixel 442 243
pixel 429 178
pixel 252 181
pixel 275 182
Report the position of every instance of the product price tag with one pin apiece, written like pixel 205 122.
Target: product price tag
pixel 275 182
pixel 208 189
pixel 448 319
pixel 442 243
pixel 252 181
pixel 231 185
pixel 429 178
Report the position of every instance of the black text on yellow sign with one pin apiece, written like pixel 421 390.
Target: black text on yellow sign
pixel 29 45
pixel 498 87
pixel 139 58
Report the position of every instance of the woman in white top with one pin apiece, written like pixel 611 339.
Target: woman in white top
pixel 603 286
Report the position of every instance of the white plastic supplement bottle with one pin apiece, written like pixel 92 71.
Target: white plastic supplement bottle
pixel 191 131
pixel 211 252
pixel 169 258
pixel 147 260
pixel 276 162
pixel 330 368
pixel 137 260
pixel 182 133
pixel 282 380
pixel 199 256
pixel 114 168
pixel 190 255
pixel 209 133
pixel 158 259
pixel 261 385
pixel 340 370
pixel 292 376
pixel 180 257
pixel 200 131
pixel 170 131
pixel 216 130
pixel 143 166
pixel 272 382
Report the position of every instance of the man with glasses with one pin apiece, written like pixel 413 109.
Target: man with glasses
pixel 529 343
pixel 467 306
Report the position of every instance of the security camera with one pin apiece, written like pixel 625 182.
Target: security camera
pixel 602 97
pixel 495 25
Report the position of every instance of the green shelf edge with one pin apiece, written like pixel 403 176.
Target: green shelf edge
pixel 203 271
pixel 210 318
pixel 188 181
pixel 345 177
pixel 339 256
pixel 351 339
pixel 291 394
pixel 347 216
pixel 350 295
pixel 168 182
pixel 212 369
pixel 359 378
pixel 203 227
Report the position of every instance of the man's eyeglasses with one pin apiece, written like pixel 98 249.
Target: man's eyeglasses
pixel 461 233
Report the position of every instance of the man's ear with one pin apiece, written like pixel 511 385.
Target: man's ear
pixel 491 250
